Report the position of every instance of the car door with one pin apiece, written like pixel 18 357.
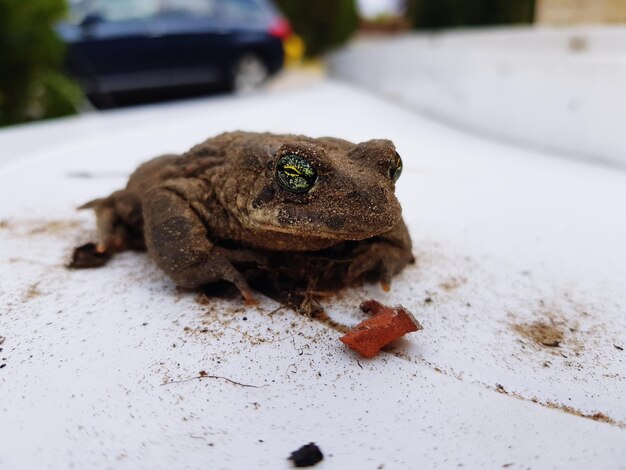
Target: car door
pixel 195 40
pixel 120 45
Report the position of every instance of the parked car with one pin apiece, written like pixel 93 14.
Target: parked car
pixel 117 46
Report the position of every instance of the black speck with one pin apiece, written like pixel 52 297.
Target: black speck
pixel 306 456
pixel 618 347
pixel 245 318
pixel 428 300
pixel 2 366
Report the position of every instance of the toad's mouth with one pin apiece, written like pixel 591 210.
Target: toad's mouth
pixel 336 224
pixel 311 232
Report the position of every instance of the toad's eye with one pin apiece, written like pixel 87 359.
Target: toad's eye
pixel 396 170
pixel 295 174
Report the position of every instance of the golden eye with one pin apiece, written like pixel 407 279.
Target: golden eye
pixel 295 174
pixel 396 170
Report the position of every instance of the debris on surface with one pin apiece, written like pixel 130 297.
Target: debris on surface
pixel 89 256
pixel 387 324
pixel 2 338
pixel 306 456
pixel 541 333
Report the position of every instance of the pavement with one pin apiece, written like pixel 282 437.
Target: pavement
pixel 116 368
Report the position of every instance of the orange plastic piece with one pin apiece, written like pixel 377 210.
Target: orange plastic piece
pixel 387 324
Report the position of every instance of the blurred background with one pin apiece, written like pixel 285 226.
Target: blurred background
pixel 61 57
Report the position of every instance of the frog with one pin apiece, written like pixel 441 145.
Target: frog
pixel 246 207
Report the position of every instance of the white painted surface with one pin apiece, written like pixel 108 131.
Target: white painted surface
pixel 502 236
pixel 554 89
pixel 374 8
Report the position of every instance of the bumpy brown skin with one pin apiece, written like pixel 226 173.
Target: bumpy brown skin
pixel 219 206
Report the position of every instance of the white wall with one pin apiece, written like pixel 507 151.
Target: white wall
pixel 558 89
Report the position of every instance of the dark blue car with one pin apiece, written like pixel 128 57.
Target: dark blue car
pixel 121 46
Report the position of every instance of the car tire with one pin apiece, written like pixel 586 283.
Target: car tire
pixel 102 100
pixel 248 73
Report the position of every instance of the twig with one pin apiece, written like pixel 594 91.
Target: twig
pixel 278 309
pixel 207 376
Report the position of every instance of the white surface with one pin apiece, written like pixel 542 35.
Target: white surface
pixel 374 8
pixel 557 89
pixel 502 237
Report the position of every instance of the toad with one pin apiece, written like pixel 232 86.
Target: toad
pixel 276 212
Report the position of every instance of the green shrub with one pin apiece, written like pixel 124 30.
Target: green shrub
pixel 31 83
pixel 322 24
pixel 437 14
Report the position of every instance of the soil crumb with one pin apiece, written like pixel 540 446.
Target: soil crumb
pixel 541 333
pixel 452 284
pixel 32 292
pixel 88 256
pixel 306 456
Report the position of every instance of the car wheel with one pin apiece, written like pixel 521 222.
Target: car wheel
pixel 102 100
pixel 248 73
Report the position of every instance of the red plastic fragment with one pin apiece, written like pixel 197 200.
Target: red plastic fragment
pixel 387 324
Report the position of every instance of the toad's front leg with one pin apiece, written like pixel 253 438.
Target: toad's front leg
pixel 383 256
pixel 177 239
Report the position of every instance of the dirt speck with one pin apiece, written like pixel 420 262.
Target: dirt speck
pixel 4 224
pixel 597 416
pixel 619 348
pixel 54 227
pixel 324 318
pixel 452 283
pixel 32 292
pixel 545 334
pixel 578 44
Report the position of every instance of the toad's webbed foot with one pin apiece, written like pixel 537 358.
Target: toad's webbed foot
pixel 382 257
pixel 118 219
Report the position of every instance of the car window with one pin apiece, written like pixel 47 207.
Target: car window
pixel 127 10
pixel 241 9
pixel 188 8
pixel 113 10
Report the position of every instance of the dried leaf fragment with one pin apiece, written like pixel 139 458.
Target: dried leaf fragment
pixel 387 324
